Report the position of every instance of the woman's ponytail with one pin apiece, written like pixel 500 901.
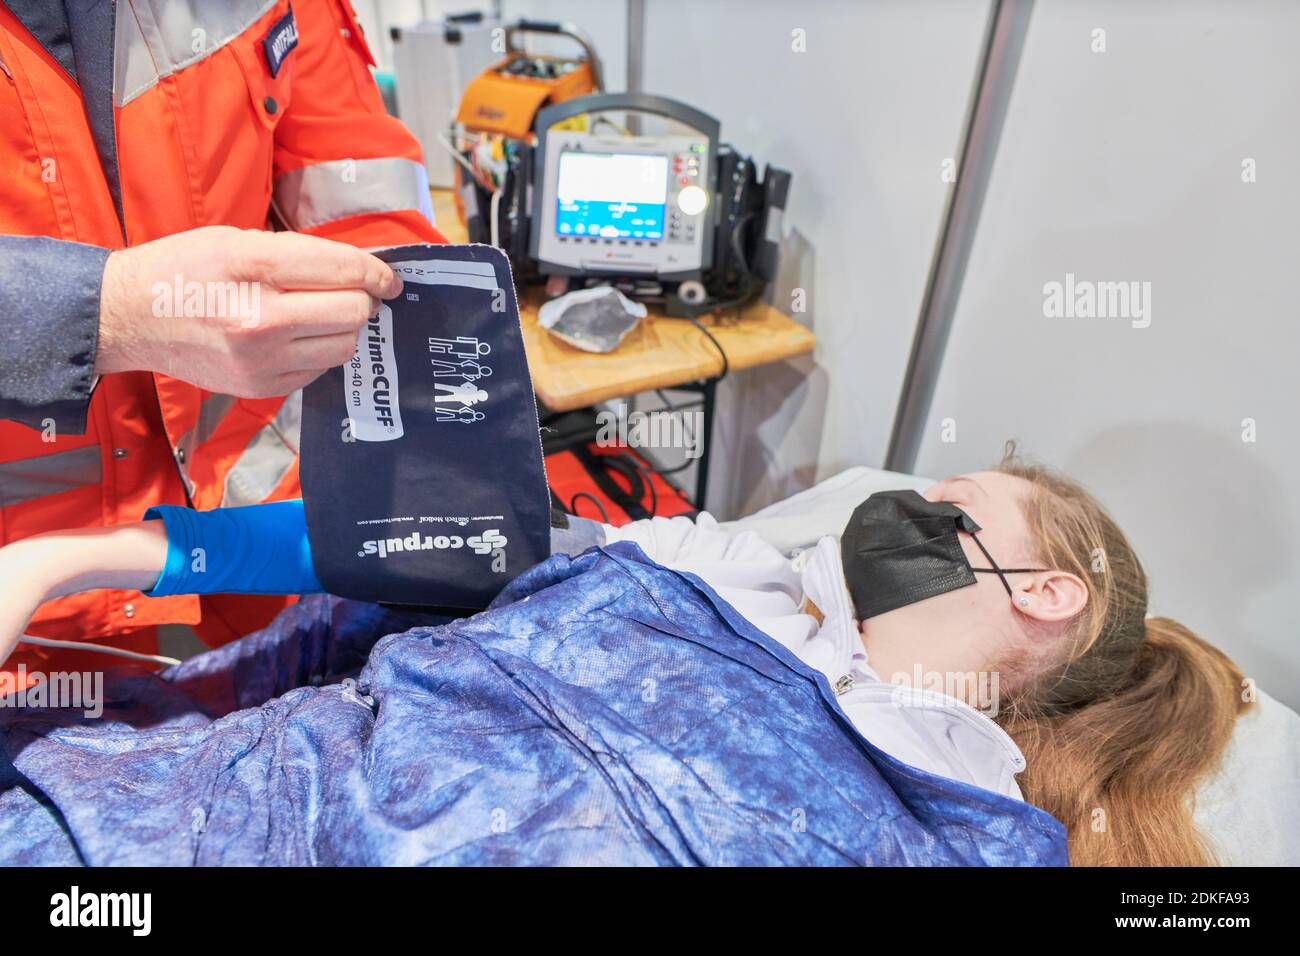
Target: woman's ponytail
pixel 1122 725
pixel 1121 772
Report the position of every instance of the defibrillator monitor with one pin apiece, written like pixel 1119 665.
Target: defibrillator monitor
pixel 611 201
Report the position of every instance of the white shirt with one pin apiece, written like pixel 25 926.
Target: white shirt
pixel 920 727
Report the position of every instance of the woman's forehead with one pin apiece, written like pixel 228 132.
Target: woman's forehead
pixel 993 494
pixel 995 484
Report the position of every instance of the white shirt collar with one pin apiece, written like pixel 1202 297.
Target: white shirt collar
pixel 842 657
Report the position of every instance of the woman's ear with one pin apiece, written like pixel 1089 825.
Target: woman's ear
pixel 1051 596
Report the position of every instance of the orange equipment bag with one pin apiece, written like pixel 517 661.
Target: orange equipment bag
pixel 497 110
pixel 505 97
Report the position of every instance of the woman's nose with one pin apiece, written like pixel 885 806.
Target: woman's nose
pixel 934 492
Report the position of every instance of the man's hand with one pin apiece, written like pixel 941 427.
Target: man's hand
pixel 243 312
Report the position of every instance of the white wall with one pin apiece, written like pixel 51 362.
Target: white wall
pixel 1126 165
pixel 863 119
pixel 604 21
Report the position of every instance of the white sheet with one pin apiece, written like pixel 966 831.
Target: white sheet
pixel 1246 810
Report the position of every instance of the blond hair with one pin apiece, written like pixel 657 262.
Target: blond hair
pixel 1130 712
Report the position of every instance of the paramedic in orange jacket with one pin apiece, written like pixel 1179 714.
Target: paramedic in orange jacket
pixel 152 326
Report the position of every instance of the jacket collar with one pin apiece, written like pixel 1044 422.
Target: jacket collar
pixel 48 23
pixel 79 35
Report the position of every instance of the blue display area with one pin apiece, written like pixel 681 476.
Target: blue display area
pixel 612 195
pixel 621 220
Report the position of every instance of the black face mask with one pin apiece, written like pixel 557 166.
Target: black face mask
pixel 899 548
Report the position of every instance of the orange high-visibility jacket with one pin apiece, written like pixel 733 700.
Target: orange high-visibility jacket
pixel 225 112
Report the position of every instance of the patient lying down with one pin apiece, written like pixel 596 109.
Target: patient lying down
pixel 1041 664
pixel 992 630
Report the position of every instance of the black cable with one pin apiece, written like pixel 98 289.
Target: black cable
pixel 746 282
pixel 648 478
pixel 737 248
pixel 672 408
pixel 654 493
pixel 625 465
pixel 692 314
pixel 679 410
pixel 573 505
pixel 722 353
pixel 603 469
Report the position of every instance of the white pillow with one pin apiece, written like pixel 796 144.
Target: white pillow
pixel 1246 810
pixel 803 519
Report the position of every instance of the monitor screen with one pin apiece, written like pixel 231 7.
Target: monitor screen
pixel 612 195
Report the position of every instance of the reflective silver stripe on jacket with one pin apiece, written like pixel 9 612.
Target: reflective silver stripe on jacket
pixel 267 459
pixel 31 478
pixel 211 413
pixel 324 192
pixel 156 38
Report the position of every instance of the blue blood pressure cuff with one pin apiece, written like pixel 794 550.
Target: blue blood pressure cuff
pixel 421 459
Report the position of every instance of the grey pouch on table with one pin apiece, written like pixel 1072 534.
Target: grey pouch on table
pixel 594 320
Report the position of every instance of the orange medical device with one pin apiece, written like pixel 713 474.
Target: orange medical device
pixel 505 98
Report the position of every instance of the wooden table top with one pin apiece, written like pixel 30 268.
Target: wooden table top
pixel 660 352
